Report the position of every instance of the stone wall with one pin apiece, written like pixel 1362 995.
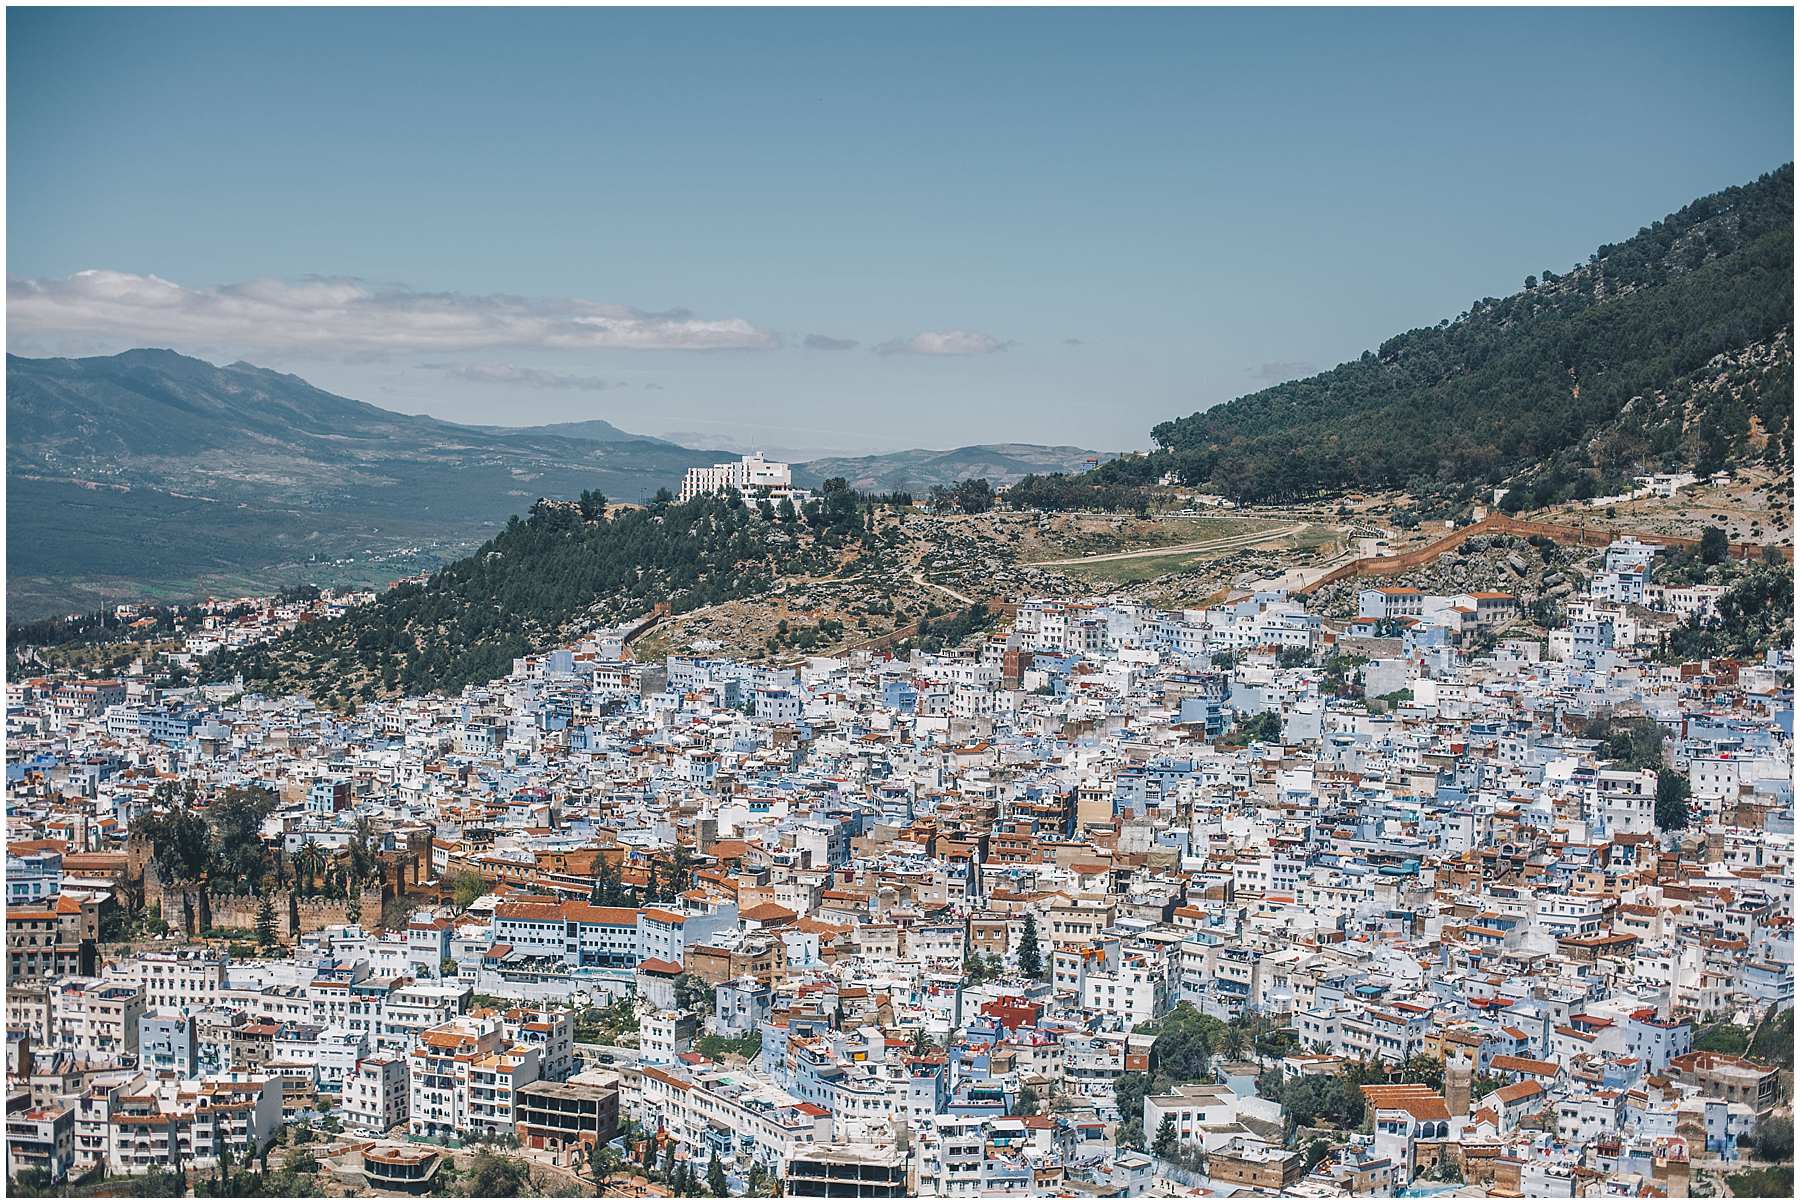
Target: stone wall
pixel 294 916
pixel 1498 523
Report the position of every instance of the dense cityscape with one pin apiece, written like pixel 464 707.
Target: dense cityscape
pixel 900 603
pixel 1106 900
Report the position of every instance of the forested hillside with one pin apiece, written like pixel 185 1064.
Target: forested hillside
pixel 1672 349
pixel 569 567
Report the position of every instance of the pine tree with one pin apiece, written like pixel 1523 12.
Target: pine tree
pixel 1672 793
pixel 1166 1141
pixel 1031 958
pixel 715 1176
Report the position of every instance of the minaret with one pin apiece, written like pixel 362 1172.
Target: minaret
pixel 1458 1074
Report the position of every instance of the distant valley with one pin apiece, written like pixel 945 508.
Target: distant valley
pixel 154 475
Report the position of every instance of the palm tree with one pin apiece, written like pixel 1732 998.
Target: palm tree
pixel 308 861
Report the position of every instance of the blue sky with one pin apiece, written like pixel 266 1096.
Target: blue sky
pixel 1057 226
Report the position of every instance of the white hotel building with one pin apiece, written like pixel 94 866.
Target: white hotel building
pixel 753 476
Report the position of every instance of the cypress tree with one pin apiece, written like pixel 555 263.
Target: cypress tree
pixel 1031 958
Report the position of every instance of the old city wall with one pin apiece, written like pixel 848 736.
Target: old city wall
pixel 294 916
pixel 1504 524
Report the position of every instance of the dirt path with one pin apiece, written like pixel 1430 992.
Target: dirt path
pixel 918 578
pixel 1223 544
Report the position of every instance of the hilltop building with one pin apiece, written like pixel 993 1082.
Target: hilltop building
pixel 752 476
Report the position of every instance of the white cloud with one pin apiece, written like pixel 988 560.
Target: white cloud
pixel 347 315
pixel 534 378
pixel 945 342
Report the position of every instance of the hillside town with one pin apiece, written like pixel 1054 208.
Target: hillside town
pixel 1109 900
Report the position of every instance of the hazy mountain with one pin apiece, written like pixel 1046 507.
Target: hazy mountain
pixel 155 474
pixel 594 429
pixel 792 454
pixel 919 469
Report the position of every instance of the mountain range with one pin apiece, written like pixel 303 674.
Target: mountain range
pixel 154 475
pixel 918 469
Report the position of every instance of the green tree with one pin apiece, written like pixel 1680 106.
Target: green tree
pixel 1129 1090
pixel 363 862
pixel 1184 1045
pixel 1754 614
pixel 466 886
pixel 181 844
pixel 1727 1038
pixel 1166 1141
pixel 1264 727
pixel 1672 793
pixel 267 935
pixel 603 1162
pixel 606 890
pixel 1637 743
pixel 239 857
pixel 309 863
pixel 1031 959
pixel 1775 1138
pixel 1334 1098
pixel 1715 546
pixel 496 1176
pixel 715 1176
pixel 1422 1068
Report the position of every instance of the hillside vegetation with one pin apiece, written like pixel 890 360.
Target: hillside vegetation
pixel 1672 349
pixel 566 569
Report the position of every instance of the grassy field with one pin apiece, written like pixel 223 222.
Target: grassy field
pixel 1144 568
pixel 1097 534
